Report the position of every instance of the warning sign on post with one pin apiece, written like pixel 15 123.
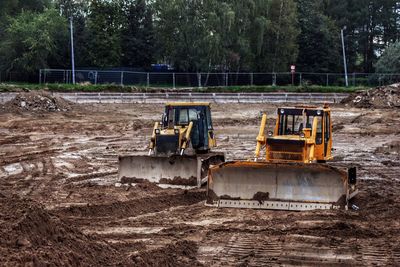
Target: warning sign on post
pixel 293 68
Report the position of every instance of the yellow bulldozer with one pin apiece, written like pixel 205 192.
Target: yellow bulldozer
pixel 179 148
pixel 293 174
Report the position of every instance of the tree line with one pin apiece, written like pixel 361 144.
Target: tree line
pixel 201 35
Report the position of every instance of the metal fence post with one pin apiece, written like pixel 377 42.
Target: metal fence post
pixel 226 79
pixel 95 78
pixel 44 78
pixel 148 79
pixel 251 79
pixel 301 78
pixel 40 76
pixel 199 79
pixel 274 79
pixel 327 79
pixel 122 78
pixel 173 80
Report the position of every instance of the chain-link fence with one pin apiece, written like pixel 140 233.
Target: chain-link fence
pixel 181 80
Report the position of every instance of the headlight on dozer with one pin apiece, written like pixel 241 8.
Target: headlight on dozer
pixel 176 131
pixel 157 131
pixel 302 135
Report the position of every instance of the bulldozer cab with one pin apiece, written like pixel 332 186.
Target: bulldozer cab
pixel 297 128
pixel 179 115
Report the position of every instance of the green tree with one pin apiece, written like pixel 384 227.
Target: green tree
pixel 228 35
pixel 319 42
pixel 33 40
pixel 371 26
pixel 389 62
pixel 181 32
pixel 104 33
pixel 10 8
pixel 138 41
pixel 280 48
pixel 78 10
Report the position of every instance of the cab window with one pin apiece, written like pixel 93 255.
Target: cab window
pixel 327 127
pixel 186 115
pixel 291 125
pixel 209 122
pixel 294 125
pixel 318 140
pixel 183 117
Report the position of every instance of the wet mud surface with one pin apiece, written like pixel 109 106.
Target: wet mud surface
pixel 63 204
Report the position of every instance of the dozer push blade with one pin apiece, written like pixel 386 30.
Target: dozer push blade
pixel 280 186
pixel 172 170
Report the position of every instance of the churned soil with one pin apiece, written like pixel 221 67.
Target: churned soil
pixel 30 235
pixel 62 203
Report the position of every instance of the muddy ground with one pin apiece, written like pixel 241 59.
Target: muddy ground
pixel 61 203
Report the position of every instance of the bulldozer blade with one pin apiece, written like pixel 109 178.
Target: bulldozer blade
pixel 281 186
pixel 172 170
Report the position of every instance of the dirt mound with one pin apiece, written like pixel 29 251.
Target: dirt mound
pixel 182 253
pixel 38 101
pixel 380 97
pixel 32 236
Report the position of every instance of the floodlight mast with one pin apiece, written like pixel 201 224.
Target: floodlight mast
pixel 344 56
pixel 72 50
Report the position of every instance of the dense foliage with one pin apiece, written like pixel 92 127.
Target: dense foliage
pixel 200 35
pixel 389 62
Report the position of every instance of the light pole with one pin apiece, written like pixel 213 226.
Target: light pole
pixel 344 57
pixel 72 50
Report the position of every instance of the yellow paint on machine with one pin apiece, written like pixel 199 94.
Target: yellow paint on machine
pixel 292 171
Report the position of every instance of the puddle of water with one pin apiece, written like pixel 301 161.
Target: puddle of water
pixel 377 178
pixel 59 163
pixel 116 241
pixel 165 186
pixel 13 169
pixel 69 155
pixel 209 222
pixel 127 230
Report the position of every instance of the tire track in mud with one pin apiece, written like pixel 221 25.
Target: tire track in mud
pixel 86 177
pixel 28 156
pixel 247 249
pixel 253 250
pixel 135 207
